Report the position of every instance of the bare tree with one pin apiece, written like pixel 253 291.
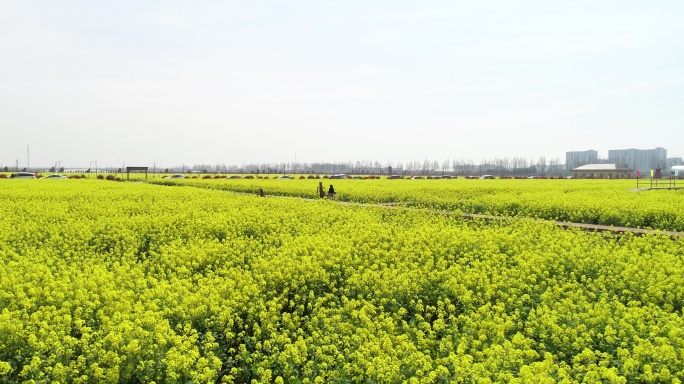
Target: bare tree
pixel 541 165
pixel 555 167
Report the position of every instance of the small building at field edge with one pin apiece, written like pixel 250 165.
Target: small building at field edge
pixel 603 171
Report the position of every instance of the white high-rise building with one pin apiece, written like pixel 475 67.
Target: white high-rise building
pixel 643 160
pixel 576 159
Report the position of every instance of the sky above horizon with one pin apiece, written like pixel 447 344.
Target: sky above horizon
pixel 231 82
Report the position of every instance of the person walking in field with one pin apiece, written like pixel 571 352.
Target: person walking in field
pixel 331 192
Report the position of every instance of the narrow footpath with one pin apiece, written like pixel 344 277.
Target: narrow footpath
pixel 565 224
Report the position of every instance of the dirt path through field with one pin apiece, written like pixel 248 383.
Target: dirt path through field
pixel 566 224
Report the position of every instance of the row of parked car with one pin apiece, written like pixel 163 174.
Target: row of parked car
pixel 343 176
pixel 180 176
pixel 29 175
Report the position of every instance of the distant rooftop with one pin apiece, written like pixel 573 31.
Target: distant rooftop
pixel 603 167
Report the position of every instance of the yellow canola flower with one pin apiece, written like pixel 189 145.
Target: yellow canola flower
pixel 112 282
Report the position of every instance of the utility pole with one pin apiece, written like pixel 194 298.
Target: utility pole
pixel 28 164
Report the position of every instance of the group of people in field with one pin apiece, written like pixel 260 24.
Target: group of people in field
pixel 331 192
pixel 321 192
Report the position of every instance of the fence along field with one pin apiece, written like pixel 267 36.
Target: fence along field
pixel 104 281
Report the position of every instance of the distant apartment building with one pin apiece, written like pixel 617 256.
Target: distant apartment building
pixel 643 160
pixel 576 159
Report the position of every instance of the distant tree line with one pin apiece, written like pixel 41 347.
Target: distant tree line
pixel 514 167
pixel 501 166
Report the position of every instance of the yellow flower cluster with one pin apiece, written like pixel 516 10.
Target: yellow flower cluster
pixel 126 282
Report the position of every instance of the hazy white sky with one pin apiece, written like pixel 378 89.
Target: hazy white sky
pixel 235 82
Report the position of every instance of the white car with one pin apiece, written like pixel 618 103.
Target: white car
pixel 176 176
pixel 55 176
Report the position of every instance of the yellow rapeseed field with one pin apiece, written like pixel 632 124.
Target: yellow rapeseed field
pixel 132 282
